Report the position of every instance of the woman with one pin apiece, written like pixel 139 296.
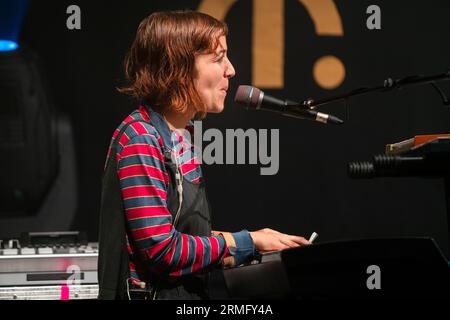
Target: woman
pixel 155 232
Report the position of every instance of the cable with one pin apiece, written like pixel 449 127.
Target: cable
pixel 128 289
pixel 179 187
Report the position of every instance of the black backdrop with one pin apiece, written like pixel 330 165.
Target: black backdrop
pixel 311 191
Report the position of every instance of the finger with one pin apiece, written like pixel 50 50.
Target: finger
pixel 289 243
pixel 283 246
pixel 299 240
pixel 280 245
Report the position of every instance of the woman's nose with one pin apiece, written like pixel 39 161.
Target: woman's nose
pixel 229 71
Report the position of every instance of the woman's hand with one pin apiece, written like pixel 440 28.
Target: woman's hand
pixel 271 240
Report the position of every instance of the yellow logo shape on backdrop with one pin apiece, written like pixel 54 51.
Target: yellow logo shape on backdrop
pixel 268 39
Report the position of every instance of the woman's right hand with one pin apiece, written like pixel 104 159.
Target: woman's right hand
pixel 266 240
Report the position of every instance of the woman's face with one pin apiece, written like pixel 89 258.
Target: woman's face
pixel 213 71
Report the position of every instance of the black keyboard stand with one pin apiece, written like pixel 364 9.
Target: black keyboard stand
pixel 410 268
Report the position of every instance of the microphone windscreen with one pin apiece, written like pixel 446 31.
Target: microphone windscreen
pixel 248 96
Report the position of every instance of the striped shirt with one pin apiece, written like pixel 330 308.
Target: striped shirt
pixel 157 246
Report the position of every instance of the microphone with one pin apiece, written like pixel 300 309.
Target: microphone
pixel 253 98
pixel 428 165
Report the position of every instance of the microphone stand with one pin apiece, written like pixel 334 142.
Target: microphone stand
pixel 388 85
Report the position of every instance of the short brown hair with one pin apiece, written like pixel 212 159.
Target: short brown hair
pixel 160 63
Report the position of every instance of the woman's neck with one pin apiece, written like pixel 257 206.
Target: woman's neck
pixel 178 121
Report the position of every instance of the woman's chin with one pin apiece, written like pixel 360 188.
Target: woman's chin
pixel 216 109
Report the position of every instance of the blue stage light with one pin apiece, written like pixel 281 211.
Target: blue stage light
pixel 12 14
pixel 7 45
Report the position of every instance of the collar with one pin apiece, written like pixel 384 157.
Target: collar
pixel 160 125
pixel 157 120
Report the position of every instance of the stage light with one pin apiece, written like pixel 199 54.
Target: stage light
pixel 8 45
pixel 12 14
pixel 39 180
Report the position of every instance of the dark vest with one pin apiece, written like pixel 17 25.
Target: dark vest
pixel 113 260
